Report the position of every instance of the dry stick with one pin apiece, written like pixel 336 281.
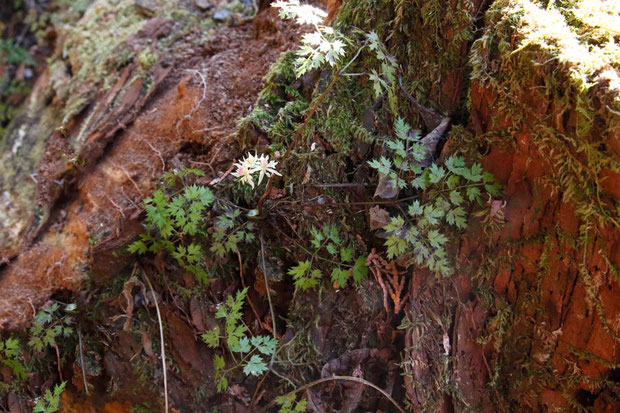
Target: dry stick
pixel 161 339
pixel 336 378
pixel 82 362
pixel 273 314
pixel 58 360
pixel 344 185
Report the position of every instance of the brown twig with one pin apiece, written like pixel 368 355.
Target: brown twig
pixel 394 288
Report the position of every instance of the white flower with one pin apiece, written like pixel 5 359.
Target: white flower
pixel 253 163
pixel 266 167
pixel 244 174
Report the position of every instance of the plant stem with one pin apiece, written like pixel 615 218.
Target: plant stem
pixel 273 315
pixel 337 378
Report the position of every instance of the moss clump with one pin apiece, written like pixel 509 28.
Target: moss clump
pixel 278 109
pixel 427 38
pixel 146 59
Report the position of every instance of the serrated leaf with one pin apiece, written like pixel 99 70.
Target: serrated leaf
pixel 360 270
pixel 138 247
pixel 493 189
pixel 436 238
pixel 432 214
pixel 241 345
pixel 456 198
pixel 473 193
pixel 436 173
pixel 212 337
pixel 255 367
pixel 402 129
pixel 396 246
pixel 299 270
pixel 222 384
pixel 346 254
pixel 395 225
pixel 456 217
pixel 331 248
pixel 415 208
pixel 218 362
pixel 340 277
pixel 265 344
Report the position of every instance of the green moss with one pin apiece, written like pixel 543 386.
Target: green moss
pixel 426 37
pixel 549 55
pixel 553 70
pixel 146 59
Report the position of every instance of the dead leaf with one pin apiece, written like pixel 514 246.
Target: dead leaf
pixel 127 293
pixel 386 188
pixel 197 315
pixel 147 344
pixel 378 217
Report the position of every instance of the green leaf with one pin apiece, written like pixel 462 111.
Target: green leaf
pixel 218 363
pixel 360 270
pixel 456 165
pixel 436 173
pixel 456 198
pixel 493 189
pixel 436 238
pixel 473 193
pixel 212 337
pixel 331 248
pixel 18 369
pixel 415 209
pixel 396 246
pixel 340 277
pixel 11 347
pixel 395 225
pixel 299 270
pixel 265 344
pixel 255 367
pixel 194 253
pixel 138 247
pixel 241 345
pixel 317 237
pixel 432 214
pixel 402 129
pixel 457 217
pixel 222 384
pixel 286 403
pixel 346 254
pixel 475 172
pixel 50 402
